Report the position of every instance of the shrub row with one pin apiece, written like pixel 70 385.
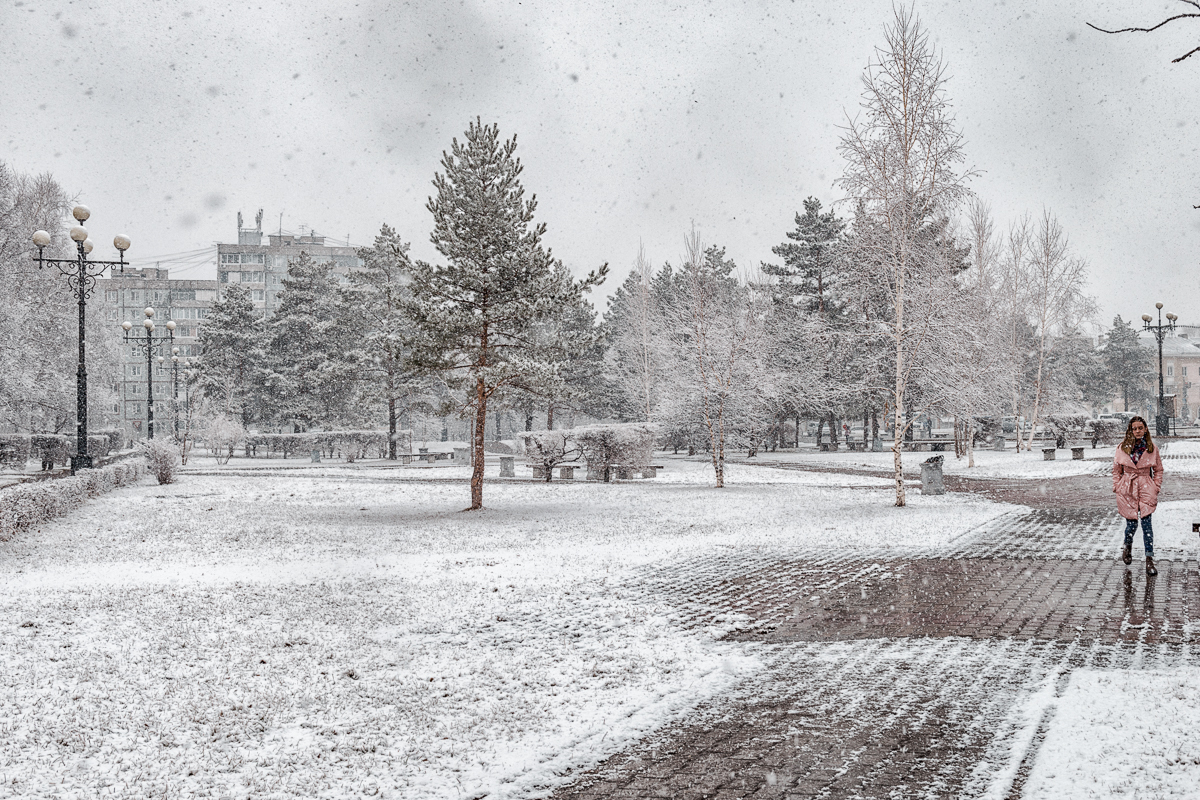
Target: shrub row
pixel 52 448
pixel 351 444
pixel 25 506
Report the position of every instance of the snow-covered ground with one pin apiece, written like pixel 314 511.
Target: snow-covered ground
pixel 988 463
pixel 283 629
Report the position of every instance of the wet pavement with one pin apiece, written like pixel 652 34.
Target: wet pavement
pixel 888 677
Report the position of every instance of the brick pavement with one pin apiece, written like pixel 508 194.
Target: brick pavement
pixel 890 677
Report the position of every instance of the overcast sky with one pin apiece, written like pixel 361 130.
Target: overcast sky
pixel 633 119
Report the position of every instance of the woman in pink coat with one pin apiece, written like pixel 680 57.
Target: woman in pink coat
pixel 1137 477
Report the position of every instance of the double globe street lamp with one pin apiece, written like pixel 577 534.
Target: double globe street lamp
pixel 151 345
pixel 1162 422
pixel 81 274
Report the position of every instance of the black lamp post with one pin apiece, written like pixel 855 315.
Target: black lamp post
pixel 151 345
pixel 1162 424
pixel 81 274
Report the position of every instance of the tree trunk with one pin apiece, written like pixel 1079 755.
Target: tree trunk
pixel 820 428
pixel 550 416
pixel 478 437
pixel 391 428
pixel 797 431
pixel 970 444
pixel 833 432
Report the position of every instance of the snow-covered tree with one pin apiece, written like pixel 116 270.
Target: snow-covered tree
pixel 378 301
pixel 1057 302
pixel 1125 362
pixel 39 327
pixel 311 378
pixel 477 313
pixel 232 355
pixel 722 353
pixel 903 162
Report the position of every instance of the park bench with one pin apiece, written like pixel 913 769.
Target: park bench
pixel 566 472
pixel 936 445
pixel 1049 453
pixel 625 472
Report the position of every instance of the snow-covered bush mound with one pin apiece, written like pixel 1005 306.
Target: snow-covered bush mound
pixel 162 458
pixel 607 446
pixel 23 507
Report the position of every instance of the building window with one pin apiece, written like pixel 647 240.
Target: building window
pixel 255 277
pixel 231 258
pixel 111 295
pixel 133 296
pixel 185 294
pixel 112 314
pixel 224 277
pixel 258 294
pixel 1184 371
pixel 135 370
pixel 1170 370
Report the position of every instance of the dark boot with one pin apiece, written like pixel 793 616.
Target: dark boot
pixel 1150 570
pixel 1127 553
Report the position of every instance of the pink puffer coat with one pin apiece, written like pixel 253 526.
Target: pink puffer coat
pixel 1137 485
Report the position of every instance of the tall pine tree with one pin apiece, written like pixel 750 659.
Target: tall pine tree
pixel 232 355
pixel 312 379
pixel 810 260
pixel 477 313
pixel 379 296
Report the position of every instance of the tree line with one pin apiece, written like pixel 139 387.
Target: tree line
pixel 905 300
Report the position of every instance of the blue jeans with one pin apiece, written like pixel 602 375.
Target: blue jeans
pixel 1147 534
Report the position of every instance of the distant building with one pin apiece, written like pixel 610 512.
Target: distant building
pixel 1181 370
pixel 262 267
pixel 125 296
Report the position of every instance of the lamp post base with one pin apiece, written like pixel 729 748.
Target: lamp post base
pixel 80 462
pixel 1162 425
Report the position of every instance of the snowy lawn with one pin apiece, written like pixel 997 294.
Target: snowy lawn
pixel 328 633
pixel 1008 464
pixel 1121 733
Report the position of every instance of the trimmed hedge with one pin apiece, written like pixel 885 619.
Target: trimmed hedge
pixel 31 504
pixel 53 448
pixel 350 444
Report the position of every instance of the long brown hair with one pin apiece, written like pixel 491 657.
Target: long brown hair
pixel 1127 445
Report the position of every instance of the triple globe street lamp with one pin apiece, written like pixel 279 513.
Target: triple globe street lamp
pixel 1162 423
pixel 152 346
pixel 81 274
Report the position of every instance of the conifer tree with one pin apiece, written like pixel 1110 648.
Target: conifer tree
pixel 476 313
pixel 311 379
pixel 232 354
pixel 810 260
pixel 1127 363
pixel 378 300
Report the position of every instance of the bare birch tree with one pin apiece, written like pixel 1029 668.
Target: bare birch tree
pixel 903 158
pixel 723 350
pixel 1056 297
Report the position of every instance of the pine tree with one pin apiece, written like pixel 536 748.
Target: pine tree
pixel 379 296
pixel 476 313
pixel 312 379
pixel 232 355
pixel 810 268
pixel 1125 360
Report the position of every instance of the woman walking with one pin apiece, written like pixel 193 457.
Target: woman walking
pixel 1137 477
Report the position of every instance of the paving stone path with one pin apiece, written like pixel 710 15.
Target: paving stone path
pixel 886 677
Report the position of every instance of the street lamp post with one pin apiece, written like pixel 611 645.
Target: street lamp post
pixel 151 345
pixel 1162 425
pixel 81 274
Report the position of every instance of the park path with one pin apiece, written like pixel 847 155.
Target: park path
pixel 889 677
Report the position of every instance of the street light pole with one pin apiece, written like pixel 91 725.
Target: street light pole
pixel 1162 425
pixel 151 345
pixel 81 274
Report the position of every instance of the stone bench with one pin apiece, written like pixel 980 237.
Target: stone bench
pixel 565 471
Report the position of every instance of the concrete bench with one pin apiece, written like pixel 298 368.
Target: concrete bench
pixel 857 447
pixel 565 472
pixel 624 472
pixel 827 447
pixel 1048 453
pixel 1077 453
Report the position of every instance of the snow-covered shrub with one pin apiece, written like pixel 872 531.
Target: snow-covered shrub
pixel 1067 426
pixel 162 457
pixel 14 450
pixel 548 449
pixel 222 436
pixel 25 506
pixel 606 446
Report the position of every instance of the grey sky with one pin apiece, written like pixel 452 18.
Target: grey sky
pixel 633 119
